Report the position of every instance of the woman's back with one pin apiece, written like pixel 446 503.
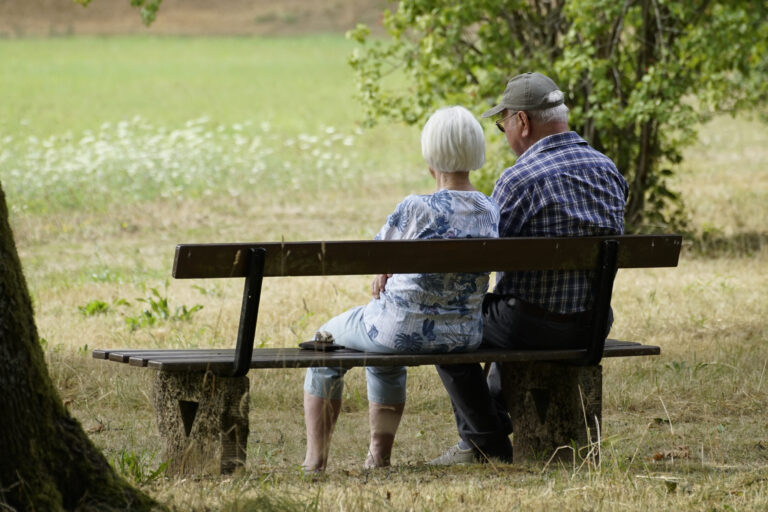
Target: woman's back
pixel 433 312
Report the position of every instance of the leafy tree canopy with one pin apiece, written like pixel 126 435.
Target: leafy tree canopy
pixel 148 8
pixel 639 75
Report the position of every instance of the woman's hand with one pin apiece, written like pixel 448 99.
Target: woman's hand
pixel 378 284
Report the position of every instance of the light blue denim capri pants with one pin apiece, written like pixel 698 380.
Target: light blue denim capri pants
pixel 386 384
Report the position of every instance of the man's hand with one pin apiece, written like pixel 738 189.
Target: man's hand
pixel 378 284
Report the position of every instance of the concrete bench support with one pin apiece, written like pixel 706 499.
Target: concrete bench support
pixel 203 420
pixel 552 406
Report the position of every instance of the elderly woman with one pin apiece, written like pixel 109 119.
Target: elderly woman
pixel 411 312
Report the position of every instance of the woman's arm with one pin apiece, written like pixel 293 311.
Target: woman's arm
pixel 401 224
pixel 378 284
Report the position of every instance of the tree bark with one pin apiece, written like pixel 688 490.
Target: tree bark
pixel 47 462
pixel 647 152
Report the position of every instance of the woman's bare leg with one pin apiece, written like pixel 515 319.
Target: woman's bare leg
pixel 384 420
pixel 320 417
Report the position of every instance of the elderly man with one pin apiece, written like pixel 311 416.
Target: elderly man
pixel 559 186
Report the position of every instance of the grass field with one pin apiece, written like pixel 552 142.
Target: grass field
pixel 114 150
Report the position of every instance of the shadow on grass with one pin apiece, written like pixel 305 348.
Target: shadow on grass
pixel 274 503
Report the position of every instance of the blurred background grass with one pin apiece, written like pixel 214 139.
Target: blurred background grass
pixel 76 84
pixel 89 122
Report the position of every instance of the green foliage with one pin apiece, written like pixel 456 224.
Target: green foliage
pixel 94 307
pixel 639 75
pixel 159 310
pixel 136 468
pixel 158 305
pixel 99 307
pixel 148 10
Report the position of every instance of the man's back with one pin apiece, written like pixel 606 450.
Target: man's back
pixel 559 187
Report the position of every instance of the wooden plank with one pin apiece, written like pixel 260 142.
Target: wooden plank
pixel 143 359
pixel 198 359
pixel 416 256
pixel 100 354
pixel 222 360
pixel 123 355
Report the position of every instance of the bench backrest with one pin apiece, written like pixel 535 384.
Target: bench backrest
pixel 417 256
pixel 253 261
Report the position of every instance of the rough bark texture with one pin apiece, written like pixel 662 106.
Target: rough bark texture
pixel 203 420
pixel 47 461
pixel 552 406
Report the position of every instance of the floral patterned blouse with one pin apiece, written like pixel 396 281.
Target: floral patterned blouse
pixel 434 312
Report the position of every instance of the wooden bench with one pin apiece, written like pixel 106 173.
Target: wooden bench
pixel 554 396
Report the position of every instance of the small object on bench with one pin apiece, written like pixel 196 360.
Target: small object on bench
pixel 201 399
pixel 323 341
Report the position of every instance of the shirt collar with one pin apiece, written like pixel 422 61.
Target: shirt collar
pixel 551 142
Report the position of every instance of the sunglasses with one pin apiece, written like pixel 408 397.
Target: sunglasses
pixel 500 122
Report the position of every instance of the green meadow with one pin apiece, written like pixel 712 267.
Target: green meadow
pixel 112 150
pixel 76 84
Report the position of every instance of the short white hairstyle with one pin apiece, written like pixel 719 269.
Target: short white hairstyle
pixel 452 140
pixel 554 114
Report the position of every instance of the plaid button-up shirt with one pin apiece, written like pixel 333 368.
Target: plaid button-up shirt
pixel 559 187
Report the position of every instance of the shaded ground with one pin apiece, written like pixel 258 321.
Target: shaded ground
pixel 20 18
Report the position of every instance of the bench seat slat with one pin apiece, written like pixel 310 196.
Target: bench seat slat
pixel 220 361
pixel 124 355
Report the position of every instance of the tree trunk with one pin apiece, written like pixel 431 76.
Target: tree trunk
pixel 646 155
pixel 47 461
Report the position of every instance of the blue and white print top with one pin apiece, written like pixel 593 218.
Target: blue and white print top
pixel 433 312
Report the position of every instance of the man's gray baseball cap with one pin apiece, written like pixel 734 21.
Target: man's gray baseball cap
pixel 528 91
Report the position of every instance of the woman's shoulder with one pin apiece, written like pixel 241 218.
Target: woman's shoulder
pixel 475 198
pixel 413 199
pixel 409 206
pixel 447 201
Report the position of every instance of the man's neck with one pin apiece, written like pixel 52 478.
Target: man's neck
pixel 543 131
pixel 550 129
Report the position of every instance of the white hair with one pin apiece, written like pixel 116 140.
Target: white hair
pixel 554 114
pixel 452 140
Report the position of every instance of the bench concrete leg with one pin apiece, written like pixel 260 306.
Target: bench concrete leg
pixel 553 406
pixel 203 420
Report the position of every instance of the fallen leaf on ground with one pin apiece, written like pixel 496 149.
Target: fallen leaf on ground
pixel 680 452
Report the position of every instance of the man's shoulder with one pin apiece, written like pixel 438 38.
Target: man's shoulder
pixel 520 173
pixel 586 154
pixel 567 146
pixel 530 168
pixel 561 152
pixel 552 157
